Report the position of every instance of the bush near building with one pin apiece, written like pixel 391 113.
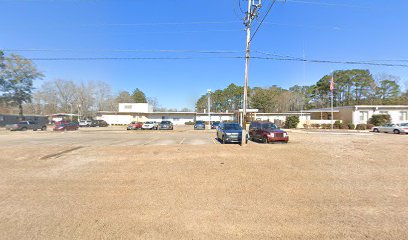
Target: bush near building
pixel 379 119
pixel 292 122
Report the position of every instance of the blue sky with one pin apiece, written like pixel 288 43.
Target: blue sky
pixel 328 29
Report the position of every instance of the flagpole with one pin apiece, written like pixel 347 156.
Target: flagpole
pixel 332 93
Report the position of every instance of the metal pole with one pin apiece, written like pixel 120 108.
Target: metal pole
pixel 332 111
pixel 209 108
pixel 247 55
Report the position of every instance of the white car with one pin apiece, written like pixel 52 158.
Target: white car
pixel 392 128
pixel 150 125
pixel 85 123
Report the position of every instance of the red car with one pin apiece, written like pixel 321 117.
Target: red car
pixel 267 133
pixel 66 126
pixel 135 126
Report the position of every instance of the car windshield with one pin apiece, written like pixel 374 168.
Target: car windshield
pixel 165 122
pixel 199 122
pixel 149 123
pixel 269 126
pixel 216 123
pixel 232 127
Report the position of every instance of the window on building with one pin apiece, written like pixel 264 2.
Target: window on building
pixel 363 116
pixel 383 112
pixel 1 118
pixel 128 106
pixel 404 116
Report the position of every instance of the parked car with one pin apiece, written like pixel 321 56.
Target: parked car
pixel 150 125
pixel 392 128
pixel 66 126
pixel 199 125
pixel 26 125
pixel 166 125
pixel 229 132
pixel 99 123
pixel 214 125
pixel 267 133
pixel 85 123
pixel 134 126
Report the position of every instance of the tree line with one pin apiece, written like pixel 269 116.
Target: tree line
pixel 18 95
pixel 352 87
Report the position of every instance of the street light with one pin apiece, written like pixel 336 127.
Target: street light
pixel 209 108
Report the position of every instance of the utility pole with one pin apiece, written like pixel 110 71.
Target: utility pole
pixel 209 108
pixel 253 7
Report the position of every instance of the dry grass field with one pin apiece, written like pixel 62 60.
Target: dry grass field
pixel 117 184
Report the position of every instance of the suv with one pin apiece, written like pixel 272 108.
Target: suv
pixel 267 132
pixel 214 125
pixel 99 123
pixel 25 125
pixel 166 125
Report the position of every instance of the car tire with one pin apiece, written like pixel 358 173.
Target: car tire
pixel 376 130
pixel 223 140
pixel 34 129
pixel 396 131
pixel 265 140
pixel 44 128
pixel 24 129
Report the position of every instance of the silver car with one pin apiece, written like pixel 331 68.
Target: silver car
pixel 392 128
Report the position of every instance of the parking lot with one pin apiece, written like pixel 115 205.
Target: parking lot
pixel 111 183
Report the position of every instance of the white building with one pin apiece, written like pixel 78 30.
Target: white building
pixel 135 107
pixel 360 114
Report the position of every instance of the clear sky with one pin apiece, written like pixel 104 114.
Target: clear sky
pixel 343 30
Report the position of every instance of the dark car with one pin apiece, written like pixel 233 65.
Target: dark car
pixel 25 125
pixel 66 126
pixel 99 123
pixel 134 126
pixel 229 132
pixel 166 125
pixel 214 125
pixel 199 125
pixel 267 132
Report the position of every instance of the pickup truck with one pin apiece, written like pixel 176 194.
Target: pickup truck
pixel 25 125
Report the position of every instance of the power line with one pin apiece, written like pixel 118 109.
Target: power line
pixel 124 50
pixel 263 19
pixel 325 4
pixel 276 57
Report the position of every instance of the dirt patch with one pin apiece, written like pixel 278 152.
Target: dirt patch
pixel 315 187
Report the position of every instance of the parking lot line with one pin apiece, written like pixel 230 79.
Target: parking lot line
pixel 215 142
pixel 182 141
pixel 151 140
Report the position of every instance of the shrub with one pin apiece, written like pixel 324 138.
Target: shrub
pixel 315 125
pixel 306 126
pixel 361 127
pixel 351 126
pixel 337 125
pixel 345 126
pixel 326 126
pixel 292 122
pixel 189 123
pixel 379 119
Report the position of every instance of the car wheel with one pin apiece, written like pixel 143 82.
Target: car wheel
pixel 24 129
pixel 265 140
pixel 44 128
pixel 396 131
pixel 376 130
pixel 223 140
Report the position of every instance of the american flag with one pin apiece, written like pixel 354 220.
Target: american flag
pixel 332 84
